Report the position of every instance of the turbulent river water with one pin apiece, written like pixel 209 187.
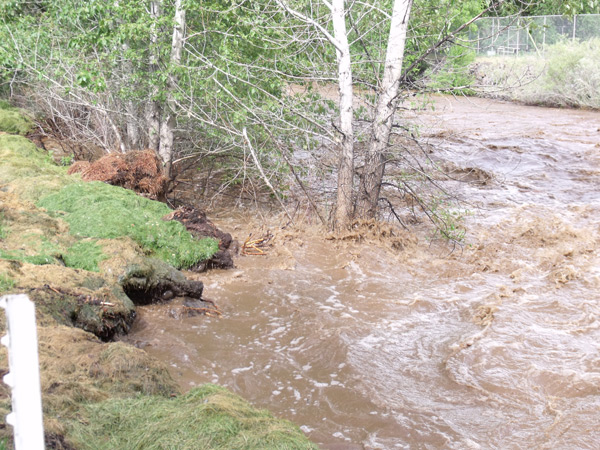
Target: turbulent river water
pixel 494 346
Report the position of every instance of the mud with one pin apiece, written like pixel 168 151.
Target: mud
pixel 492 345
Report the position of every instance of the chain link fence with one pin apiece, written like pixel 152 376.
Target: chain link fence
pixel 516 35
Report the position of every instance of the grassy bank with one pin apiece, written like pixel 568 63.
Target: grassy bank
pixel 565 75
pixel 69 245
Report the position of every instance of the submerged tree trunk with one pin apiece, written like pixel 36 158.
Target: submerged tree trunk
pixel 346 159
pixel 372 176
pixel 167 126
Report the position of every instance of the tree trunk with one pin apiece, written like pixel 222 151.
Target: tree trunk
pixel 152 108
pixel 133 134
pixel 131 124
pixel 372 176
pixel 343 212
pixel 167 126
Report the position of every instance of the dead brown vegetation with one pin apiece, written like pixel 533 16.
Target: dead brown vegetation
pixel 140 171
pixel 373 231
pixel 76 368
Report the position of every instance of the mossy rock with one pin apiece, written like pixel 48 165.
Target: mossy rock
pixel 151 280
pixel 208 417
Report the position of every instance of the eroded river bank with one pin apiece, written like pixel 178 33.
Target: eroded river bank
pixel 494 346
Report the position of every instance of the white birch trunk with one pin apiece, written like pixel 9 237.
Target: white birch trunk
pixel 346 160
pixel 152 108
pixel 167 126
pixel 131 124
pixel 370 185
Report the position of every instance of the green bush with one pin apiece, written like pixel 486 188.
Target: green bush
pixel 454 74
pixel 567 74
pixel 102 211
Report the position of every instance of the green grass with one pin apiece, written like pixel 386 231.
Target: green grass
pixel 6 283
pixel 3 228
pixel 102 211
pixel 13 121
pixel 30 171
pixel 32 248
pixel 39 259
pixel 208 417
pixel 85 254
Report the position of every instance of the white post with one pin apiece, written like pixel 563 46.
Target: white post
pixel 24 375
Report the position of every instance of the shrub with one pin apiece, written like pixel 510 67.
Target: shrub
pixel 453 75
pixel 568 74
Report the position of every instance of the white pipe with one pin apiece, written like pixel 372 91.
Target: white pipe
pixel 24 375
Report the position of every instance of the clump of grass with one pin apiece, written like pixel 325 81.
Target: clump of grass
pixel 102 211
pixel 14 121
pixel 78 369
pixel 85 254
pixel 6 283
pixel 3 228
pixel 208 417
pixel 18 255
pixel 30 171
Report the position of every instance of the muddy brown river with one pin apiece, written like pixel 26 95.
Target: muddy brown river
pixel 495 346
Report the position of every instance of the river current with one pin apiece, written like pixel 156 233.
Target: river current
pixel 492 346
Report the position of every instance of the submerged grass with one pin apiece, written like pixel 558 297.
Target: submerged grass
pixel 102 211
pixel 208 417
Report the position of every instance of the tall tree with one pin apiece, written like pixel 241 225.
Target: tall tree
pixel 386 105
pixel 169 119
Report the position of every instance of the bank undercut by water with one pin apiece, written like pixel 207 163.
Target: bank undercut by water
pixel 74 247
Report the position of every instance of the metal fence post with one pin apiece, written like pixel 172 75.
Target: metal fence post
pixel 24 375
